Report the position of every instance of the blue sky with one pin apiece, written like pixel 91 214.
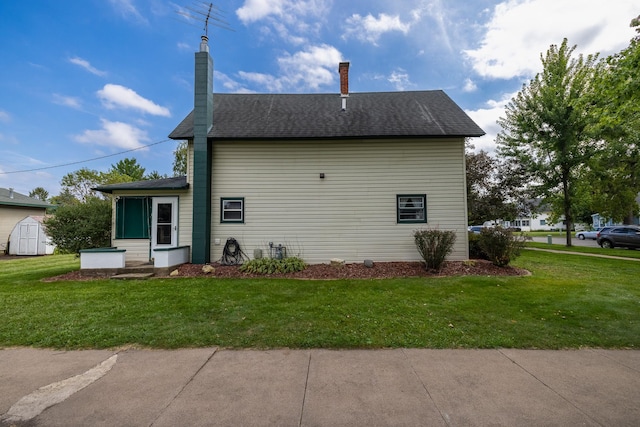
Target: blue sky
pixel 83 79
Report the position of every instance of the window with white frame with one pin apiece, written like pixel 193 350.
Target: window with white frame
pixel 411 208
pixel 232 209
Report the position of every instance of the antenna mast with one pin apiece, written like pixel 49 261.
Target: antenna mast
pixel 206 13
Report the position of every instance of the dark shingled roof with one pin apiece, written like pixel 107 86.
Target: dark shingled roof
pixel 176 183
pixel 368 115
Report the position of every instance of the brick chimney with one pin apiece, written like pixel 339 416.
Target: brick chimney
pixel 343 69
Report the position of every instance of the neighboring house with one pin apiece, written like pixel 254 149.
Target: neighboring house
pixel 347 176
pixel 15 207
pixel 598 221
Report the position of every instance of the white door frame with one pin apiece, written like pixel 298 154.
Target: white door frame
pixel 165 233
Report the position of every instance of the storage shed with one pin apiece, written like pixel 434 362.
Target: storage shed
pixel 30 238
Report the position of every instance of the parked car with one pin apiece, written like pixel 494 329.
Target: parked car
pixel 626 236
pixel 475 229
pixel 591 234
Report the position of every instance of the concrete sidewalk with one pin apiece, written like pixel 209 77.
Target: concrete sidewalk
pixel 401 387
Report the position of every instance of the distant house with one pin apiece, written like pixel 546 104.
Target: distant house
pixel 598 220
pixel 15 207
pixel 324 176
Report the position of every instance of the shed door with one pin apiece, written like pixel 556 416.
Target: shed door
pixel 164 231
pixel 28 239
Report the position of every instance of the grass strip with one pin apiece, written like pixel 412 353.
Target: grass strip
pixel 619 252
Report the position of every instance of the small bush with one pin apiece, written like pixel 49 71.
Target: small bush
pixel 434 246
pixel 501 245
pixel 273 266
pixel 475 251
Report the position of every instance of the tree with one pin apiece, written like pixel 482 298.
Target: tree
pixel 615 169
pixel 155 175
pixel 39 193
pixel 79 184
pixel 65 198
pixel 486 196
pixel 544 128
pixel 81 226
pixel 129 167
pixel 180 160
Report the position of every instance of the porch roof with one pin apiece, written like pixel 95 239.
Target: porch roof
pixel 175 183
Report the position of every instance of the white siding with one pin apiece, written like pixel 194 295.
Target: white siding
pixel 351 213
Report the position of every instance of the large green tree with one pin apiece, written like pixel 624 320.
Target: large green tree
pixel 544 129
pixel 615 170
pixel 129 167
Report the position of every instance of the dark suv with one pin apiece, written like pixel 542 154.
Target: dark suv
pixel 627 236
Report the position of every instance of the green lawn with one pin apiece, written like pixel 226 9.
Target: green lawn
pixel 569 301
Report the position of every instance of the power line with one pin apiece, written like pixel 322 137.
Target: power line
pixel 85 161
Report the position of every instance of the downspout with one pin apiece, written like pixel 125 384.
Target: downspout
pixel 202 155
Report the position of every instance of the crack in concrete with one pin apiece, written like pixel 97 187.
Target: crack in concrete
pixel 33 404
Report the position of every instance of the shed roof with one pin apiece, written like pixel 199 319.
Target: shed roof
pixel 320 116
pixel 12 198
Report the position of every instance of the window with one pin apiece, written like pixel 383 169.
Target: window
pixel 543 222
pixel 232 209
pixel 411 208
pixel 526 223
pixel 133 215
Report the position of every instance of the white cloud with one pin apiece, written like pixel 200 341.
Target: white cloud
pixel 469 86
pixel 520 30
pixel 400 79
pixel 87 66
pixel 292 20
pixel 184 46
pixel 487 118
pixel 4 117
pixel 113 96
pixel 308 69
pixel 128 10
pixel 115 135
pixel 367 28
pixel 67 101
pixel 287 10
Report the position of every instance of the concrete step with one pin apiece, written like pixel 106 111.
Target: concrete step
pixel 132 276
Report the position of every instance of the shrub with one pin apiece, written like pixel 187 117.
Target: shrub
pixel 434 246
pixel 475 251
pixel 273 265
pixel 81 226
pixel 501 245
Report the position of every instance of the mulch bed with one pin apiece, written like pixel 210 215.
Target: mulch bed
pixel 380 270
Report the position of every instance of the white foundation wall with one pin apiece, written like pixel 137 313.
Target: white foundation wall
pixel 351 213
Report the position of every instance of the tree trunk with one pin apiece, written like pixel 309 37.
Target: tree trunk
pixel 568 218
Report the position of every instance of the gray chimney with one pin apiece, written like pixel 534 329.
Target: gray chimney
pixel 202 152
pixel 11 193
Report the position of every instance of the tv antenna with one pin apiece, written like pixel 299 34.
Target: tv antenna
pixel 205 13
